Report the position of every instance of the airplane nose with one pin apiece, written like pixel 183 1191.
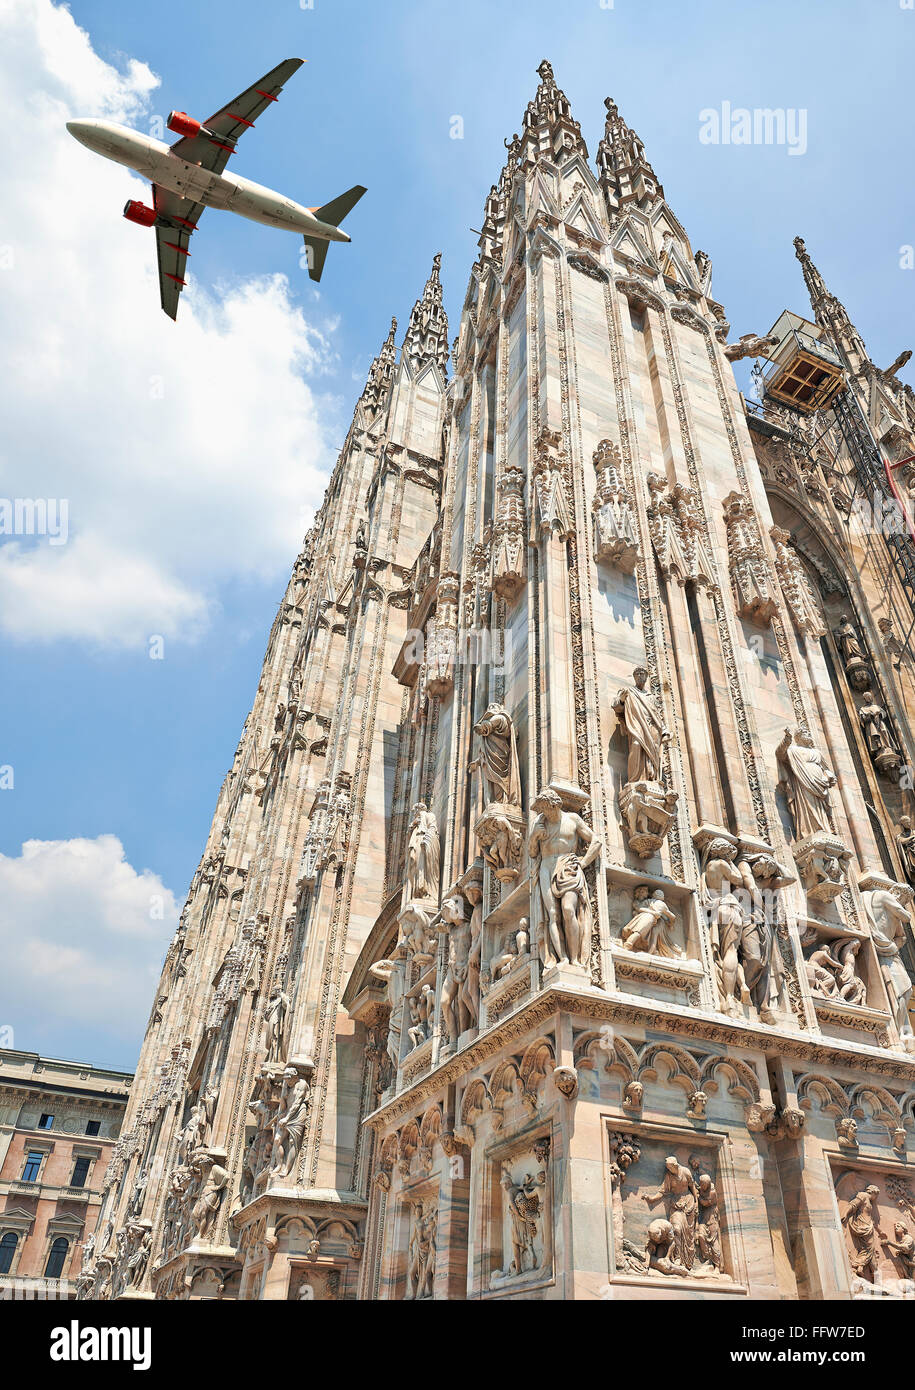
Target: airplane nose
pixel 84 131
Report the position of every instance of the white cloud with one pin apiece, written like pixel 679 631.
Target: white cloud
pixel 191 454
pixel 82 938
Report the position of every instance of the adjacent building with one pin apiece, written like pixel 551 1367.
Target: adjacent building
pixel 58 1125
pixel 553 935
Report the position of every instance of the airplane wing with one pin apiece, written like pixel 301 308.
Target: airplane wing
pixel 232 120
pixel 172 243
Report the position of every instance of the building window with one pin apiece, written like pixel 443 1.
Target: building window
pixel 80 1172
pixel 33 1161
pixel 93 1126
pixel 7 1250
pixel 46 1122
pixel 56 1258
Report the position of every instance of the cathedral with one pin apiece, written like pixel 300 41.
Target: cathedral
pixel 554 934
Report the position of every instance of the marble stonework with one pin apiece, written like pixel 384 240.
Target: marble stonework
pixel 552 939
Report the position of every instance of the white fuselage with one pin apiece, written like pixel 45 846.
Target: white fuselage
pixel 156 161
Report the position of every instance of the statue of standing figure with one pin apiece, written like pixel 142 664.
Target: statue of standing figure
pixel 809 779
pixel 275 1019
pixel 905 844
pixel 498 756
pixel 560 873
pixel 888 910
pixel 645 732
pixel 881 741
pixel 423 855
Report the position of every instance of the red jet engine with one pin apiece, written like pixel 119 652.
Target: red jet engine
pixel 140 213
pixel 183 124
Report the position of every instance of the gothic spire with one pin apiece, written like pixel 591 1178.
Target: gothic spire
pixel 816 285
pixel 548 130
pixel 381 372
pixel 830 313
pixel 426 338
pixel 625 173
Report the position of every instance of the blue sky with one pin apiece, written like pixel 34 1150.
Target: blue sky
pixel 105 742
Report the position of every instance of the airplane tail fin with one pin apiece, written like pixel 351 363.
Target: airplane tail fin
pixel 316 253
pixel 333 214
pixel 335 211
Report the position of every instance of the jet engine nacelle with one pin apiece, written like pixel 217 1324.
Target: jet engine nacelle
pixel 183 124
pixel 140 213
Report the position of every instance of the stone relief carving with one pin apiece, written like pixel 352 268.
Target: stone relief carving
pixel 747 561
pixel 832 971
pixel 441 638
pixel 615 536
pixel 559 870
pixel 649 929
pixel 686 1241
pixel 513 945
pixel 526 1218
pixel 421 1250
pixel 509 538
pixel 805 611
pixel 861 1220
pixel 678 533
pixel 647 806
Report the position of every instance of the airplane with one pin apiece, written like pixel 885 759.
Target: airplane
pixel 190 175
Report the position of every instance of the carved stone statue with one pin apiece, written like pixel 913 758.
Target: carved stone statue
pixel 645 732
pixel 902 1249
pixel 881 741
pixel 647 806
pixel 808 782
pixel 514 944
pixel 206 1208
pixel 498 756
pixel 392 972
pixel 422 1006
pixel 851 987
pixel 760 956
pixel 524 1210
pixel 856 666
pixel 559 870
pixel 275 1019
pixel 833 973
pixel 459 1009
pixel 887 906
pixel 726 917
pixel 905 843
pixel 290 1124
pixel 421 1252
pixel 415 924
pixel 649 928
pixel 423 855
pixel 708 1230
pixel 861 1221
pixel 680 1196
